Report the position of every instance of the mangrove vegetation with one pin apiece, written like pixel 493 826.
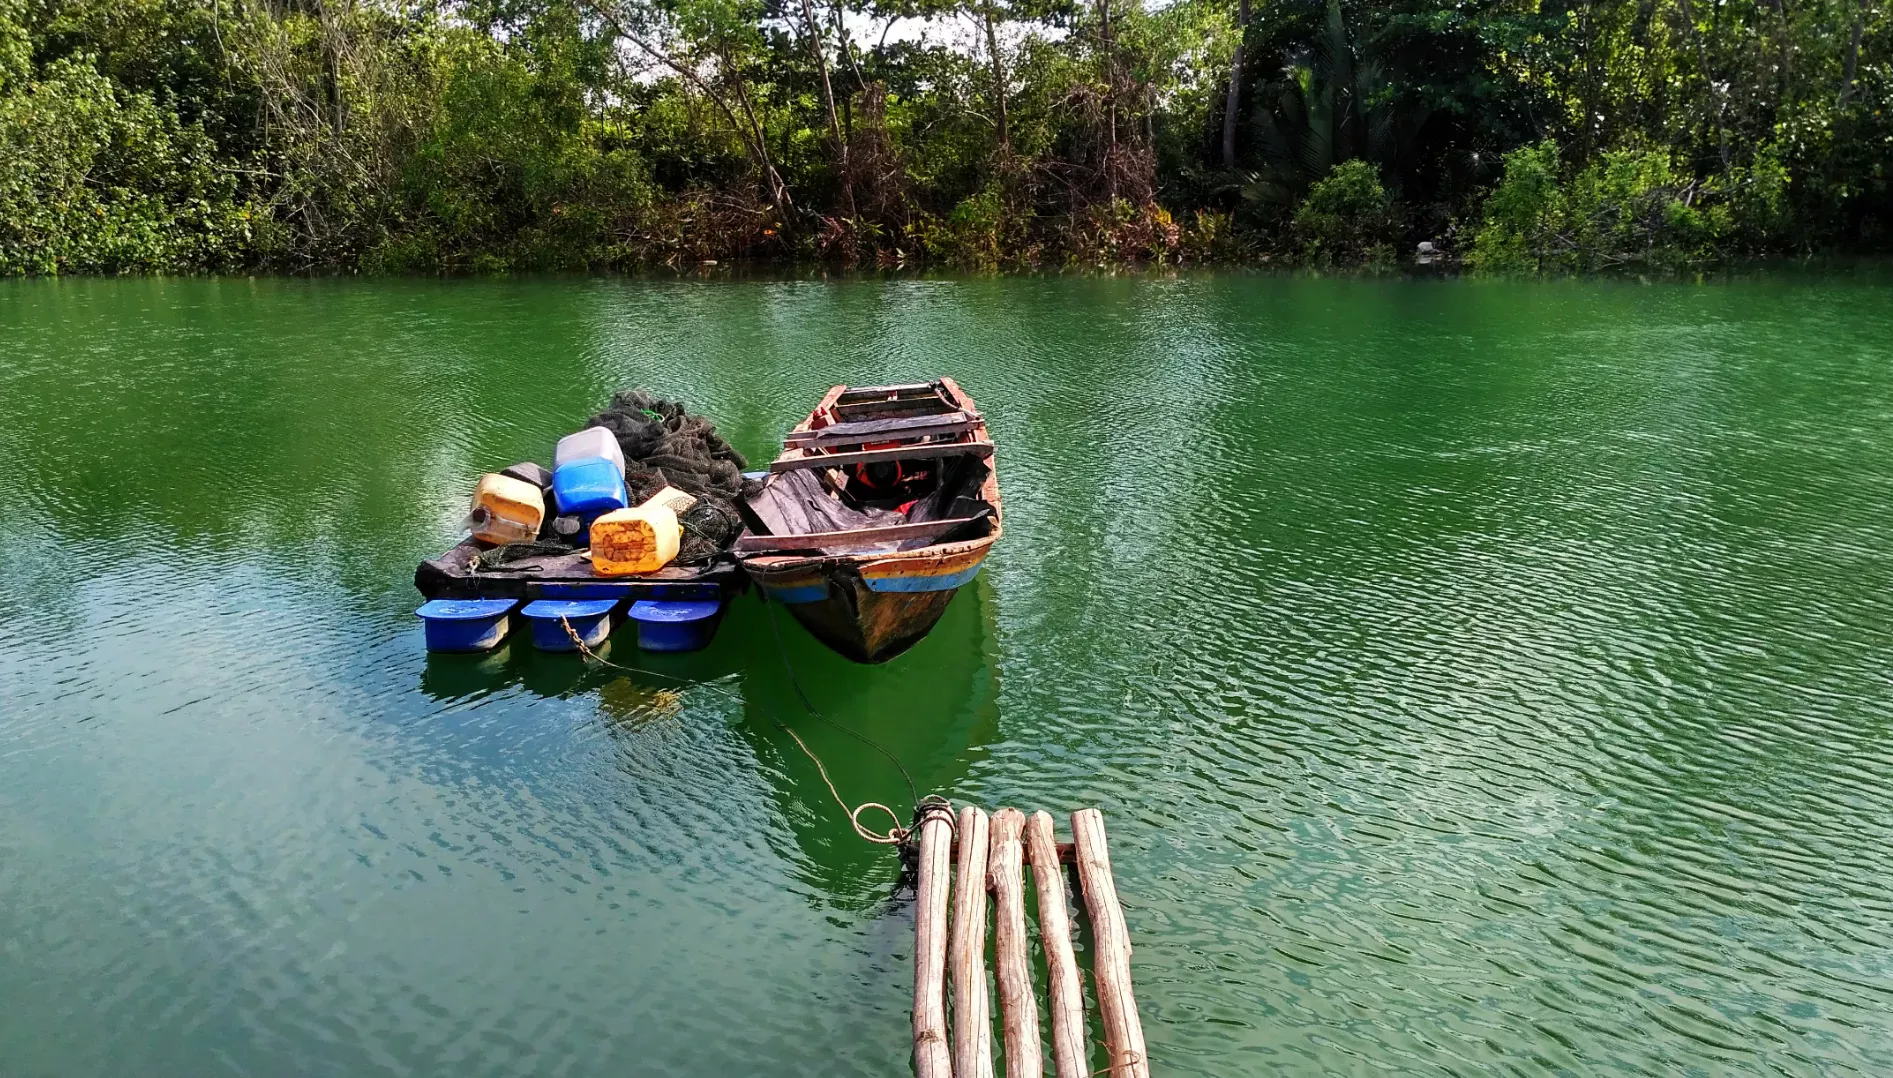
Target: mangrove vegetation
pixel 498 135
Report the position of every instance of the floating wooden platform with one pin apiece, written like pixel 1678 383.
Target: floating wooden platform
pixel 568 576
pixel 978 863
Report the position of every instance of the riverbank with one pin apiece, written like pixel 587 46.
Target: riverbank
pixel 1775 270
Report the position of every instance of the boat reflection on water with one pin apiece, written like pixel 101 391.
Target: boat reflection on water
pixel 934 709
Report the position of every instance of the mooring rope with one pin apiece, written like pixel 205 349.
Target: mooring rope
pixel 796 683
pixel 1127 1059
pixel 895 835
pixel 602 661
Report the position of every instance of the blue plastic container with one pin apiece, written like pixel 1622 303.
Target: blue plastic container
pixel 466 624
pixel 590 619
pixel 674 626
pixel 587 487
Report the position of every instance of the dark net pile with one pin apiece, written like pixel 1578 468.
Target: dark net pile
pixel 666 445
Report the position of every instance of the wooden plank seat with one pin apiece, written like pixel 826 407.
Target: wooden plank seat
pixel 886 402
pixel 923 451
pixel 861 431
pixel 862 393
pixel 887 409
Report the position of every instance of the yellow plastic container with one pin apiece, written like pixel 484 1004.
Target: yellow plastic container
pixel 642 539
pixel 506 510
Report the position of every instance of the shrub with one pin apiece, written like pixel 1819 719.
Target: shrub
pixel 16 48
pixel 1120 231
pixel 1213 237
pixel 96 179
pixel 1523 213
pixel 977 233
pixel 1347 217
pixel 1630 206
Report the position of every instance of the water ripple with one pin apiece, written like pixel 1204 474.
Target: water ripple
pixel 1477 678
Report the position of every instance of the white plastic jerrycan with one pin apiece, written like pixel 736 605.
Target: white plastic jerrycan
pixel 590 442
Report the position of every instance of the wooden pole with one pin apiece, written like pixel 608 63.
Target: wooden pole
pixel 1123 1031
pixel 1018 1006
pixel 972 1023
pixel 1067 1002
pixel 931 1058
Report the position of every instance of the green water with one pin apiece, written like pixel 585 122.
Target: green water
pixel 1477 678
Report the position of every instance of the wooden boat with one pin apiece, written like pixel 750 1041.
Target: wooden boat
pixel 884 502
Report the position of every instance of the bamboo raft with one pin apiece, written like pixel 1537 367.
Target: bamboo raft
pixel 987 855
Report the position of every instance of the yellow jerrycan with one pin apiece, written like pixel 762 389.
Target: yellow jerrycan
pixel 506 510
pixel 641 539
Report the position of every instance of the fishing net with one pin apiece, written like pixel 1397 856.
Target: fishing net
pixel 503 555
pixel 664 445
pixel 709 526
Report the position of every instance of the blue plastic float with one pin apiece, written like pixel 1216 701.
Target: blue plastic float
pixel 467 624
pixel 675 626
pixel 590 619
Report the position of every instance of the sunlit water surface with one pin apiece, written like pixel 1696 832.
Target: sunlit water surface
pixel 1477 678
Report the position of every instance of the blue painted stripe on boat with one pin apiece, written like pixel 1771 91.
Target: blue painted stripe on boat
pixel 803 593
pixel 942 582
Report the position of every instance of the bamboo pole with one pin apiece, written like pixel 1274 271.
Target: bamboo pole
pixel 931 1058
pixel 1067 997
pixel 1123 1031
pixel 972 1023
pixel 1018 1006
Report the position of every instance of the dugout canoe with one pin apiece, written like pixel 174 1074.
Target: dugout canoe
pixel 882 505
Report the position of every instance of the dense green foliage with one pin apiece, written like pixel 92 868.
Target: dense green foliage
pixel 457 135
pixel 1627 206
pixel 1348 215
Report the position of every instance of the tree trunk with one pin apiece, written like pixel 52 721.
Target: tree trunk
pixel 1702 70
pixel 1110 79
pixel 847 48
pixel 759 140
pixel 828 99
pixel 1850 65
pixel 331 27
pixel 999 81
pixel 1235 88
pixel 755 139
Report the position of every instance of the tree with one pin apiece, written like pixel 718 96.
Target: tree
pixel 1234 105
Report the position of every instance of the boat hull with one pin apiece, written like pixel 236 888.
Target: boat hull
pixel 870 610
